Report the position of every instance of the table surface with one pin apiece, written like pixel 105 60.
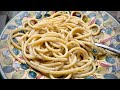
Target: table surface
pixel 6 16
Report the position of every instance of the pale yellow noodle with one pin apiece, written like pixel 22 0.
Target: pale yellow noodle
pixel 59 45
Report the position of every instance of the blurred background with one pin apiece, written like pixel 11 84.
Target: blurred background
pixel 5 16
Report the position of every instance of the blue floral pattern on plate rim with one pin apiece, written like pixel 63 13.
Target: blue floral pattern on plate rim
pixel 102 19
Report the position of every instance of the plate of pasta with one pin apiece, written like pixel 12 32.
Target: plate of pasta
pixel 60 45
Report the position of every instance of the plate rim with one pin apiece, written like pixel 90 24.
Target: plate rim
pixel 1 71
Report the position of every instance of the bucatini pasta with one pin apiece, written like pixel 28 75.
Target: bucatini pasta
pixel 59 46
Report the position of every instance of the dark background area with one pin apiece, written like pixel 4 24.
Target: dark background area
pixel 5 16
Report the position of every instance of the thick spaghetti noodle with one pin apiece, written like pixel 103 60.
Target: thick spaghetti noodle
pixel 59 46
